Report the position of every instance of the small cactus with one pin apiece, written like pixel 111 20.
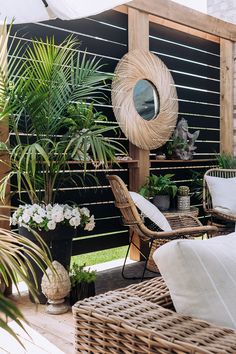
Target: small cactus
pixel 183 190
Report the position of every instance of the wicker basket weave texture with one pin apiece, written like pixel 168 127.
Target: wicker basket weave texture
pixel 125 323
pixel 176 221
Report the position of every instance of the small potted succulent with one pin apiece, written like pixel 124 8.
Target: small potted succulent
pixel 161 189
pixel 82 283
pixel 183 198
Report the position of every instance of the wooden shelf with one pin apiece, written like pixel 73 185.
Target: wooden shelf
pixel 183 161
pixel 74 162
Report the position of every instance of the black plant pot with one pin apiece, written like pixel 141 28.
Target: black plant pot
pixel 81 291
pixel 162 202
pixel 59 242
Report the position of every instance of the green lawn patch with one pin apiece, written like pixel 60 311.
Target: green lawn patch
pixel 100 256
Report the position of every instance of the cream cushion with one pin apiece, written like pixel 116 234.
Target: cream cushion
pixel 223 193
pixel 150 211
pixel 201 277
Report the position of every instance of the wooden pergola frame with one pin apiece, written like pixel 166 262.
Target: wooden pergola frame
pixel 176 16
pixel 171 14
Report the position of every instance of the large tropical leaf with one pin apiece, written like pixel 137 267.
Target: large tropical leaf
pixel 16 255
pixel 37 85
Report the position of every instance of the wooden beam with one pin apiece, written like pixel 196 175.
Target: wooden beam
pixel 138 38
pixel 174 25
pixel 226 96
pixel 183 15
pixel 185 29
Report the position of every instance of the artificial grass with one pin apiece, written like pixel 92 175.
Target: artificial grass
pixel 100 256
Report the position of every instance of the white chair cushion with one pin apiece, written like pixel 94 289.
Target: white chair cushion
pixel 150 211
pixel 223 192
pixel 201 277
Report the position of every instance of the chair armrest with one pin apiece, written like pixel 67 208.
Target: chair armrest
pixel 191 231
pixel 196 230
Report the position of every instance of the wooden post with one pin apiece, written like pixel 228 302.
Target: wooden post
pixel 226 96
pixel 138 38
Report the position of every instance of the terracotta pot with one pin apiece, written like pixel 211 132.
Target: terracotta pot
pixel 59 242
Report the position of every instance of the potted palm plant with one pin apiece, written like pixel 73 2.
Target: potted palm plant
pixel 37 93
pixel 160 188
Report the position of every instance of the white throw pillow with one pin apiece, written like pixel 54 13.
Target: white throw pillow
pixel 201 277
pixel 223 193
pixel 150 211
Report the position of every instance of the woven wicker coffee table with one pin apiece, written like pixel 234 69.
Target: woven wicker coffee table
pixel 140 319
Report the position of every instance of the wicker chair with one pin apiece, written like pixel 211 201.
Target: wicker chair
pixel 207 200
pixel 140 319
pixel 183 226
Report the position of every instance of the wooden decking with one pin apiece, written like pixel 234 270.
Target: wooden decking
pixel 49 332
pixel 53 334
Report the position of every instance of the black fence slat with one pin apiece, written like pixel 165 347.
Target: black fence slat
pixel 183 38
pixel 99 243
pixel 189 54
pixel 182 79
pixel 197 95
pixel 189 107
pixel 92 28
pixel 174 62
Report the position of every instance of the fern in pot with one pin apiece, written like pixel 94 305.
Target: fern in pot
pixel 82 283
pixel 161 189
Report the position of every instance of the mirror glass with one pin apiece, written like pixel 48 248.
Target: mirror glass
pixel 146 99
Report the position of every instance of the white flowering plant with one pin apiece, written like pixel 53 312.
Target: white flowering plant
pixel 47 217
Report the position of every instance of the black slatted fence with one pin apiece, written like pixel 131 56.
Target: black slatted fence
pixel 194 64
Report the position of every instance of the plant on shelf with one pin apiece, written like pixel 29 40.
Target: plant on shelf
pixel 161 188
pixel 227 161
pixel 82 283
pixel 174 145
pixel 182 144
pixel 183 191
pixel 16 255
pixel 183 198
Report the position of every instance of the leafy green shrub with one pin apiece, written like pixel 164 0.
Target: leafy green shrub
pixel 80 275
pixel 227 161
pixel 158 185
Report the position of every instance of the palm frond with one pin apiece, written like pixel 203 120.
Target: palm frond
pixel 16 256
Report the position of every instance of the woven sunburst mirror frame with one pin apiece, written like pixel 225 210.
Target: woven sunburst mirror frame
pixel 142 65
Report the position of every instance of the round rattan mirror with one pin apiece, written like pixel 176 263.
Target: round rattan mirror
pixel 144 99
